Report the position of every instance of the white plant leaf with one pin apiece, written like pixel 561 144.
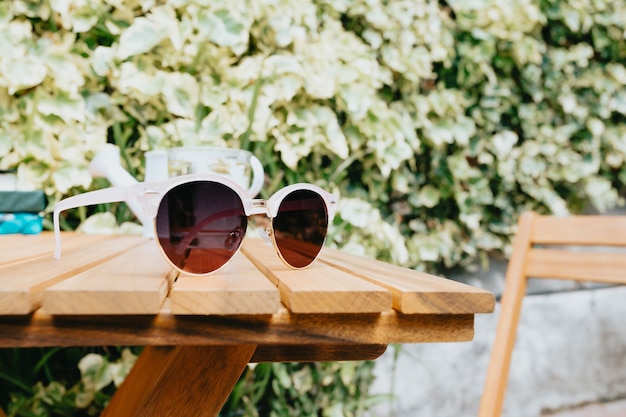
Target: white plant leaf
pixel 181 93
pixel 142 84
pixel 67 76
pixel 69 176
pixel 94 371
pixel 64 106
pixel 102 60
pixel 224 29
pixel 6 142
pixel 503 142
pixel 99 223
pixel 428 196
pixel 140 37
pixel 22 73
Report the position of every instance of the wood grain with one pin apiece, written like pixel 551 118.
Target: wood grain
pixel 336 283
pixel 184 381
pixel 15 249
pixel 319 288
pixel 41 329
pixel 414 292
pixel 160 368
pixel 511 306
pixel 141 379
pixel 200 335
pixel 135 282
pixel 330 303
pixel 317 353
pixel 238 288
pixel 594 266
pixel 22 284
pixel 580 230
pixel 580 260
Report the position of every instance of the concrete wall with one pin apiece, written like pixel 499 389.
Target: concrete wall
pixel 570 350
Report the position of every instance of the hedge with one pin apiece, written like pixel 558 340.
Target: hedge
pixel 438 122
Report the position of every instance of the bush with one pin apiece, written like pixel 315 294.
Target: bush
pixel 61 381
pixel 438 122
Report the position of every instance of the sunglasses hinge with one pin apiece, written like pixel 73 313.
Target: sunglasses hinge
pixel 258 206
pixel 258 203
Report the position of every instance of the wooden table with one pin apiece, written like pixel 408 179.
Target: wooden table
pixel 118 290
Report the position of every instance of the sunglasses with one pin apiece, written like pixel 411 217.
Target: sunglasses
pixel 200 220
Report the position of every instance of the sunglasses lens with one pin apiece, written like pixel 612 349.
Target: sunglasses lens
pixel 300 227
pixel 200 225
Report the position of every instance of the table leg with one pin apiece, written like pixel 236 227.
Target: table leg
pixel 180 381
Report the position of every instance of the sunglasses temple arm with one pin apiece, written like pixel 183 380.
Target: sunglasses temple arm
pixel 332 203
pixel 106 195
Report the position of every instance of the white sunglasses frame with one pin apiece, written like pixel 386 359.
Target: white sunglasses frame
pixel 148 196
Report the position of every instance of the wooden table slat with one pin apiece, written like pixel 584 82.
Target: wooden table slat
pixel 18 240
pixel 22 285
pixel 238 288
pixel 414 292
pixel 319 288
pixel 114 290
pixel 135 282
pixel 24 248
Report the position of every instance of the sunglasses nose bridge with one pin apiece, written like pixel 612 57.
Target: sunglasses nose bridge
pixel 258 206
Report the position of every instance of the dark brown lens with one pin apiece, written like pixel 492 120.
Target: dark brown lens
pixel 300 227
pixel 200 225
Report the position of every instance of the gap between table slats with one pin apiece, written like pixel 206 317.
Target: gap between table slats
pixel 22 284
pixel 320 288
pixel 414 292
pixel 238 288
pixel 337 283
pixel 136 281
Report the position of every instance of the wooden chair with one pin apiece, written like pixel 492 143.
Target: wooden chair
pixel 539 252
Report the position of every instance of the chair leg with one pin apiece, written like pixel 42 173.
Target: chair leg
pixel 183 381
pixel 510 309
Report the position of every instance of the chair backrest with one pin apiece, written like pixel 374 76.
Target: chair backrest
pixel 573 248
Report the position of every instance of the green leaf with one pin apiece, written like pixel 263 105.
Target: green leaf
pixel 428 196
pixel 95 371
pixel 6 143
pixel 69 108
pixel 180 91
pixel 140 37
pixel 22 73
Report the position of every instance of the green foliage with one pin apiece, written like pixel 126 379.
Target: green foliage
pixel 66 382
pixel 79 382
pixel 438 122
pixel 325 389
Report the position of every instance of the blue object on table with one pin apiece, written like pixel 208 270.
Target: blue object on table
pixel 24 223
pixel 21 212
